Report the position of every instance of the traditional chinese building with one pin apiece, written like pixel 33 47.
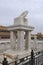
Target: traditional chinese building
pixel 4 33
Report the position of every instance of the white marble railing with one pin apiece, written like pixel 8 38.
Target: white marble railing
pixel 38 44
pixel 4 40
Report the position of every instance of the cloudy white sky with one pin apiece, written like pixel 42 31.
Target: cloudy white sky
pixel 9 9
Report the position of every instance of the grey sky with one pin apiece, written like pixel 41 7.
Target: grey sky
pixel 9 9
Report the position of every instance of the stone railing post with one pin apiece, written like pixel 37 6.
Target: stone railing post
pixel 32 58
pixel 5 62
pixel 16 63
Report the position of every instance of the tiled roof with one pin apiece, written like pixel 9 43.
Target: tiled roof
pixel 3 28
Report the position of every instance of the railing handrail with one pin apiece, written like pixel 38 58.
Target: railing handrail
pixel 27 59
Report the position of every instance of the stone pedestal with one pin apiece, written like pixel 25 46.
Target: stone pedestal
pixel 20 25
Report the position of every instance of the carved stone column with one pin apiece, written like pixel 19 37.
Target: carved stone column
pixel 28 40
pixel 13 39
pixel 20 41
pixel 35 43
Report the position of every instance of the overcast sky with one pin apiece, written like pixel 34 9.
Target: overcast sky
pixel 9 9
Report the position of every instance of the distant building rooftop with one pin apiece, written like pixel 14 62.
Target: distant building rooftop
pixel 3 28
pixel 4 33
